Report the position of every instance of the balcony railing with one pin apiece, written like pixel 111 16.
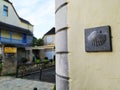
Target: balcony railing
pixel 11 41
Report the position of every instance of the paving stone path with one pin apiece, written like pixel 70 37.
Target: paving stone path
pixel 11 83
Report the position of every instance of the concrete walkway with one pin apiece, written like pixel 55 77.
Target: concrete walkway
pixel 10 83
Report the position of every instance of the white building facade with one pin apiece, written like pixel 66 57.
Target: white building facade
pixel 49 40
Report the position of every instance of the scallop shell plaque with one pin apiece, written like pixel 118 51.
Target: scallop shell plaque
pixel 98 39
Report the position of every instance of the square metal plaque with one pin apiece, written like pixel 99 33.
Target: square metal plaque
pixel 98 39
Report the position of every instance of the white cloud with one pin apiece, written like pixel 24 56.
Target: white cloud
pixel 39 12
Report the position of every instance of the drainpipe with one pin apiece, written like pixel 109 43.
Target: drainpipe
pixel 62 75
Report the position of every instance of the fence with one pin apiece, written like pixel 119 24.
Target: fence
pixel 31 68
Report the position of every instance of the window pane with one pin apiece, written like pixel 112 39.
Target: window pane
pixel 49 39
pixel 5 10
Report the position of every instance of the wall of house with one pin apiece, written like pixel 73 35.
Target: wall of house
pixel 93 70
pixel 10 39
pixel 49 39
pixel 49 53
pixel 26 26
pixel 12 17
pixel 9 63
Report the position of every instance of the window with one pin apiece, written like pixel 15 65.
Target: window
pixel 49 39
pixel 5 10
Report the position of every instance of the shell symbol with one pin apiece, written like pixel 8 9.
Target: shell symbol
pixel 97 38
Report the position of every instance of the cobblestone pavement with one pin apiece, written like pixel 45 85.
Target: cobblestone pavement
pixel 11 83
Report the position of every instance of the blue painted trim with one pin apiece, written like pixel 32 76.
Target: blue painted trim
pixel 14 41
pixel 11 36
pixel 24 38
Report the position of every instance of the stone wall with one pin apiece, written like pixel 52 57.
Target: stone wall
pixel 9 64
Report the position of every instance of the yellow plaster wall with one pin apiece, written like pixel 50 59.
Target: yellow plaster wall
pixel 5 34
pixel 93 70
pixel 16 36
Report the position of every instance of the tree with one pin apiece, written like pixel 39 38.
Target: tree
pixel 34 41
pixel 38 42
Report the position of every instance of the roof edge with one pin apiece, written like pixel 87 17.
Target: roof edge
pixel 21 19
pixel 50 32
pixel 8 1
pixel 14 28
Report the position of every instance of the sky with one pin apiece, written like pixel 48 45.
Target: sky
pixel 40 13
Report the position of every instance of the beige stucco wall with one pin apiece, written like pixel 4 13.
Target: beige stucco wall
pixel 93 70
pixel 26 26
pixel 12 18
pixel 51 39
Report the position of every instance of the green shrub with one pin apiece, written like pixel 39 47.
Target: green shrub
pixel 37 60
pixel 45 59
pixel 24 60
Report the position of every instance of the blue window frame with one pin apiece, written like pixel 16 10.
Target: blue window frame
pixel 24 38
pixel 11 36
pixel 5 10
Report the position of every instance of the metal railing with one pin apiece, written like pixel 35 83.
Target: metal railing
pixel 31 68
